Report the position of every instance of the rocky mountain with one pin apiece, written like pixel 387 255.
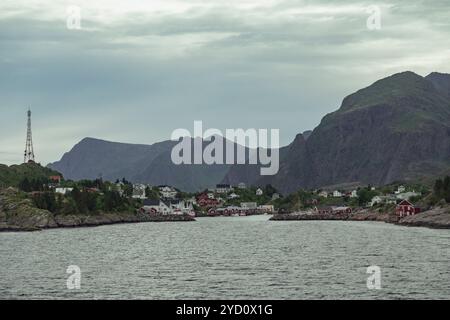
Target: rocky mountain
pixel 151 164
pixel 91 158
pixel 396 129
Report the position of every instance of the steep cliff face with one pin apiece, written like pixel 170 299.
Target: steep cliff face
pixel 396 129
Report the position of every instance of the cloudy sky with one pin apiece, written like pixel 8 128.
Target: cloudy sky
pixel 137 70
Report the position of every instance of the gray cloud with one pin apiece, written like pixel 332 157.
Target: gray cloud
pixel 137 75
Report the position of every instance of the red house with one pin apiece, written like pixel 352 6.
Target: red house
pixel 55 179
pixel 204 201
pixel 406 208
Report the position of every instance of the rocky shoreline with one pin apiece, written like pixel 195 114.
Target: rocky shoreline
pixel 19 214
pixel 437 218
pixel 77 221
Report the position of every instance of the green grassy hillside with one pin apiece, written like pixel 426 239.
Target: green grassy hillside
pixel 13 175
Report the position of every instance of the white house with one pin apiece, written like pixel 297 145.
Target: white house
pixel 120 187
pixel 63 190
pixel 168 192
pixel 223 188
pixel 354 194
pixel 180 206
pixel 407 195
pixel 233 196
pixel 323 194
pixel 249 205
pixel 400 189
pixel 242 186
pixel 275 196
pixel 267 208
pixel 139 191
pixel 259 192
pixel 166 207
pixel 375 200
pixel 337 194
pixel 382 199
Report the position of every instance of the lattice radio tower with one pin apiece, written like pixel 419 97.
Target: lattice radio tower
pixel 29 151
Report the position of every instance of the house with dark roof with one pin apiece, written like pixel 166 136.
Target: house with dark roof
pixel 155 207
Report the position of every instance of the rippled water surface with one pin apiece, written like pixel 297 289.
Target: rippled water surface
pixel 228 258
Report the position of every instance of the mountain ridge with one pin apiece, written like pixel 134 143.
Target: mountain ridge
pixel 397 128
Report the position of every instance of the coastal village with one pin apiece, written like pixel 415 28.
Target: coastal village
pixel 242 200
pixel 29 192
pixel 39 197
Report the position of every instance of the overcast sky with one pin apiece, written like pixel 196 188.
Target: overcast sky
pixel 137 69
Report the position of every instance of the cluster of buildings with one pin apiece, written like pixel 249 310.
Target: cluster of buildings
pixel 399 194
pixel 227 188
pixel 215 206
pixel 168 204
pixel 401 198
pixel 167 207
pixel 338 194
pixel 140 191
pixel 212 201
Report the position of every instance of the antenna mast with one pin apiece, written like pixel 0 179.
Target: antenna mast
pixel 29 151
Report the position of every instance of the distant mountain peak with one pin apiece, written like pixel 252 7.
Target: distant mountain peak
pixel 389 90
pixel 438 74
pixel 396 129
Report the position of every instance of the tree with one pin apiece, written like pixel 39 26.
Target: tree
pixel 25 185
pixel 270 190
pixel 442 189
pixel 438 187
pixel 46 201
pixel 446 189
pixel 152 194
pixel 128 190
pixel 69 207
pixel 365 195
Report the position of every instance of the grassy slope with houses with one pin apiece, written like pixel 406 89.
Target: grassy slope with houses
pixel 374 204
pixel 28 201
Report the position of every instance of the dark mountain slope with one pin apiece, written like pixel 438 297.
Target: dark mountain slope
pixel 138 163
pixel 396 129
pixel 441 81
pixel 93 157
